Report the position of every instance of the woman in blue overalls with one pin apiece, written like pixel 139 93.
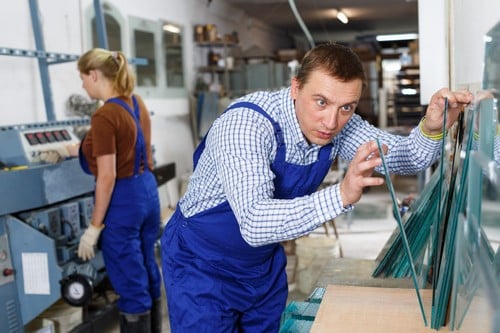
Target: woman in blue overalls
pixel 126 216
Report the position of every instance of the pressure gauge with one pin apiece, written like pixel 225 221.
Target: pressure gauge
pixel 76 289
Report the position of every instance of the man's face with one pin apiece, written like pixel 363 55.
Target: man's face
pixel 324 105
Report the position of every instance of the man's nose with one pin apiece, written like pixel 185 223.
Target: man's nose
pixel 330 120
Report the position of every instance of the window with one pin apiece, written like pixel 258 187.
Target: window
pixel 145 49
pixel 172 51
pixel 113 33
pixel 159 43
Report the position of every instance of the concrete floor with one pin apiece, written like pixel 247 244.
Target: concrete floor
pixel 362 235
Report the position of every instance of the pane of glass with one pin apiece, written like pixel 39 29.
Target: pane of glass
pixel 491 74
pixel 457 201
pixel 475 302
pixel 445 187
pixel 144 44
pixel 490 214
pixel 172 49
pixel 409 256
pixel 418 222
pixel 487 159
pixel 472 309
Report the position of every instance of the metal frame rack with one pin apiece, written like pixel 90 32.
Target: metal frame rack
pixel 50 58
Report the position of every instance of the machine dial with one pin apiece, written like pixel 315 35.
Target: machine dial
pixel 76 289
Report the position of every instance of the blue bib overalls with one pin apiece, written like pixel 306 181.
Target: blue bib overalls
pixel 132 224
pixel 215 281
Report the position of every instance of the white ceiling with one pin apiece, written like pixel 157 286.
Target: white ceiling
pixel 366 17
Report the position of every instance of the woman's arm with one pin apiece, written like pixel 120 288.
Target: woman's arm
pixel 105 183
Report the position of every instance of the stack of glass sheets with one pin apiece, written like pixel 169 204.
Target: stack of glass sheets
pixel 448 239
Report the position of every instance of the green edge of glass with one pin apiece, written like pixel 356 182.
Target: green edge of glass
pixel 402 230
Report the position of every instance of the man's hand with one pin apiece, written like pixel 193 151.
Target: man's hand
pixel 457 100
pixel 360 171
pixel 88 241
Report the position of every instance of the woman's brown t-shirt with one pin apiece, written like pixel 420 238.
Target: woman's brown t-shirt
pixel 113 131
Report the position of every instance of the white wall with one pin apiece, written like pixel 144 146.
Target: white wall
pixel 452 42
pixel 471 20
pixel 65 30
pixel 433 26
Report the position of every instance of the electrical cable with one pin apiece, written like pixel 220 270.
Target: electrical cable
pixel 301 22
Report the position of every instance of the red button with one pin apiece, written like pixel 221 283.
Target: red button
pixel 8 271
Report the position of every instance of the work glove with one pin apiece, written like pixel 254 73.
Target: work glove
pixel 53 156
pixel 88 241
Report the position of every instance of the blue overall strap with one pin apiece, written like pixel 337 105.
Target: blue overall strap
pixel 140 145
pixel 81 158
pixel 277 130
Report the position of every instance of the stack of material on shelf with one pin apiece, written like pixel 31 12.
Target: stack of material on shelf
pixel 298 317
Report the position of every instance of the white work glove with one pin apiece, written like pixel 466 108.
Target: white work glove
pixel 88 241
pixel 53 156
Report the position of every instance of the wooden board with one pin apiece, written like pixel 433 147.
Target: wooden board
pixel 356 309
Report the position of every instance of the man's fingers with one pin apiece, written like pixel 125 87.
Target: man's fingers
pixel 455 98
pixel 460 98
pixel 360 172
pixel 367 151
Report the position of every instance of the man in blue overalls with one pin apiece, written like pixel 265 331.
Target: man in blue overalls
pixel 254 185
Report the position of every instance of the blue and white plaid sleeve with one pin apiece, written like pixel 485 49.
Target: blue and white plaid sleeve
pixel 406 154
pixel 236 167
pixel 242 148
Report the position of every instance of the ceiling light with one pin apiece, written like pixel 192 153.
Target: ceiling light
pixel 389 38
pixel 342 17
pixel 171 28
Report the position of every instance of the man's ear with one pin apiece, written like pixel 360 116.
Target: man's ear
pixel 295 85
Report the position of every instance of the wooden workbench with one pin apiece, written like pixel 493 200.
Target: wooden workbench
pixel 359 309
pixel 352 300
pixel 356 309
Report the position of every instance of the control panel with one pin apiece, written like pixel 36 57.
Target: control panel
pixel 38 141
pixel 49 136
pixel 46 205
pixel 64 222
pixel 28 141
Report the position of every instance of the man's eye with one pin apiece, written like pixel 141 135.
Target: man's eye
pixel 321 102
pixel 347 108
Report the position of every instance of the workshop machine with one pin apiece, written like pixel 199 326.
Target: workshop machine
pixel 44 209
